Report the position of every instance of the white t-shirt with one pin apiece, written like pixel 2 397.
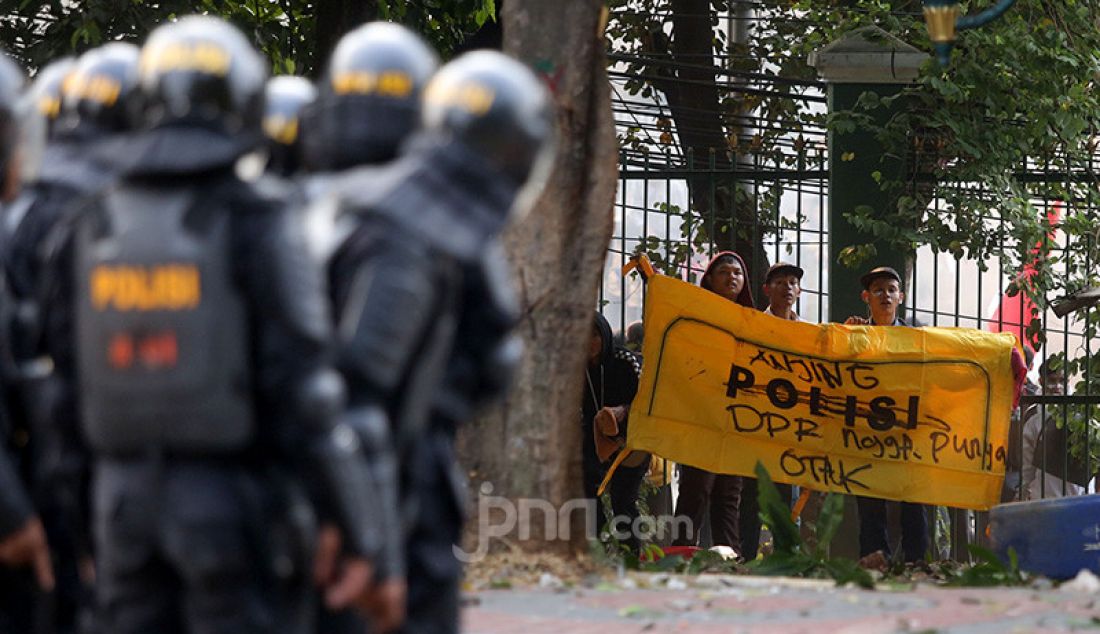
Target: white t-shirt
pixel 768 310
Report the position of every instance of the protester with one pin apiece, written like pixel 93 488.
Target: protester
pixel 782 287
pixel 883 295
pixel 611 382
pixel 701 490
pixel 1010 490
pixel 1049 469
pixel 635 333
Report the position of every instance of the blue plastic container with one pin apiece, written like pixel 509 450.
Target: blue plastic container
pixel 1056 537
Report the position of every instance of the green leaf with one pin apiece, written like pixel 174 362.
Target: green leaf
pixel 845 571
pixel 783 563
pixel 829 520
pixel 775 513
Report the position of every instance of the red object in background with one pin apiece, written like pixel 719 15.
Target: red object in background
pixel 1014 313
pixel 687 552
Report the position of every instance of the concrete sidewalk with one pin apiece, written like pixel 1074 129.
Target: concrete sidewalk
pixel 712 604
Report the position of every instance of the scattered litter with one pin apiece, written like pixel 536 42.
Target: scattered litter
pixel 1085 582
pixel 552 582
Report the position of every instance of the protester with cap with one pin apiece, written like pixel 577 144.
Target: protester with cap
pixel 725 275
pixel 782 287
pixel 883 295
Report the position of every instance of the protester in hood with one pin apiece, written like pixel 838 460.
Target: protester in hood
pixel 725 275
pixel 611 381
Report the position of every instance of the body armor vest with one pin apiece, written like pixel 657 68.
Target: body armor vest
pixel 161 330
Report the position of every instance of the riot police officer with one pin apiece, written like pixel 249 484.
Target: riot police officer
pixel 386 289
pixel 201 334
pixel 285 96
pixel 75 107
pixel 40 107
pixel 486 130
pixel 494 108
pixel 22 538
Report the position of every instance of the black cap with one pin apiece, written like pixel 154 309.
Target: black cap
pixel 782 268
pixel 877 272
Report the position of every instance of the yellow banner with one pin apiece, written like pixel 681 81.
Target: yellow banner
pixel 912 414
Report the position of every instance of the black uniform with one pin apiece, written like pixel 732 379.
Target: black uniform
pixel 19 597
pixel 486 126
pixel 460 206
pixel 42 405
pixel 391 293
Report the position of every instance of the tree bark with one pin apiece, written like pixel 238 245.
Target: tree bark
pixel 691 91
pixel 530 447
pixel 334 18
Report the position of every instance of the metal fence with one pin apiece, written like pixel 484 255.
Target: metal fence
pixel 654 214
pixel 671 205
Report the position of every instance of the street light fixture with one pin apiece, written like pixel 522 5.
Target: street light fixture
pixel 1076 301
pixel 942 18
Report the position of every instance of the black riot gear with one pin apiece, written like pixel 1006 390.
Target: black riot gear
pixel 203 72
pixel 424 302
pixel 15 506
pixel 368 102
pixel 95 97
pixel 494 105
pixel 284 98
pixel 160 319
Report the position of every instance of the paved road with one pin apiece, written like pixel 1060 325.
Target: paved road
pixel 713 604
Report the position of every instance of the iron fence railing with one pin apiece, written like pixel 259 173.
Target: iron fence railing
pixel 666 206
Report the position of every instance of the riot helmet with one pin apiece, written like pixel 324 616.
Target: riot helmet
pixel 369 100
pixel 43 98
pixel 11 84
pixel 200 71
pixel 39 108
pixel 284 98
pixel 495 106
pixel 94 99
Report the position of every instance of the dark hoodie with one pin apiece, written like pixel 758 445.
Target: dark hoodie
pixel 745 296
pixel 613 380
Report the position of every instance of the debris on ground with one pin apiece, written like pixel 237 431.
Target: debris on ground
pixel 1085 582
pixel 519 569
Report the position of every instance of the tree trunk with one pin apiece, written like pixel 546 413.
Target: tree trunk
pixel 334 18
pixel 691 91
pixel 530 447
